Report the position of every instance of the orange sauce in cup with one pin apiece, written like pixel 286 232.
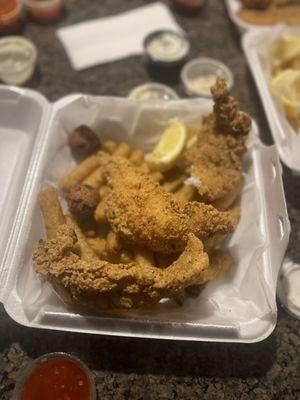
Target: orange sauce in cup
pixel 10 16
pixel 57 378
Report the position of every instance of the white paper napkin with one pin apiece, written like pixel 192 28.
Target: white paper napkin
pixel 112 38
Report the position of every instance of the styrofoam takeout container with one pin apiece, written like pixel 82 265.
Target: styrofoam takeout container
pixel 257 46
pixel 239 306
pixel 233 6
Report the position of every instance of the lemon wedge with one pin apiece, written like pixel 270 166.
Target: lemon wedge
pixel 287 83
pixel 290 47
pixel 169 148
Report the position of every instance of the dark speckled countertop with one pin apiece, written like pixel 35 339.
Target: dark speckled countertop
pixel 145 369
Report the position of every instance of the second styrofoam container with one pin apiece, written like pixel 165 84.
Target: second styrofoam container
pixel 257 46
pixel 233 6
pixel 239 306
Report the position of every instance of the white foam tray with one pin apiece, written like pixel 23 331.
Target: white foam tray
pixel 239 306
pixel 256 46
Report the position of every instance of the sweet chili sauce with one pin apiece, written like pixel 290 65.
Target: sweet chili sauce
pixel 57 379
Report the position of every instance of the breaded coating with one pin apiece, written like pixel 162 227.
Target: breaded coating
pixel 215 161
pixel 98 284
pixel 143 213
pixel 229 120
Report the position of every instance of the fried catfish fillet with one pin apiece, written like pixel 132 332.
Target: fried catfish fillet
pixel 99 284
pixel 142 213
pixel 216 158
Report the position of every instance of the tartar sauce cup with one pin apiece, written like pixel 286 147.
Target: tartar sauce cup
pixel 17 59
pixel 166 51
pixel 59 374
pixel 199 74
pixel 152 91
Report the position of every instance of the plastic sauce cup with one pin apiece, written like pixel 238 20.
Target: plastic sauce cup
pixel 152 91
pixel 17 59
pixel 10 16
pixel 42 11
pixel 200 74
pixel 55 376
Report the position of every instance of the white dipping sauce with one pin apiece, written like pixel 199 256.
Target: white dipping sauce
pixel 17 60
pixel 167 47
pixel 202 83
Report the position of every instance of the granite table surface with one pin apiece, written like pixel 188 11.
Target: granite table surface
pixel 148 369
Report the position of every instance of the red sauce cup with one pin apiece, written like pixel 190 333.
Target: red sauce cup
pixel 44 11
pixel 55 376
pixel 10 16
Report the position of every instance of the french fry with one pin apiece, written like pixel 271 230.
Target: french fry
pixel 86 253
pixel 103 192
pixel 109 146
pixel 211 243
pixel 219 262
pixel 51 211
pixel 79 173
pixel 113 244
pixel 97 245
pixel 185 193
pixel 123 150
pixel 95 179
pixel 225 202
pixel 157 176
pixel 99 214
pixel 143 257
pixel 137 157
pixel 174 183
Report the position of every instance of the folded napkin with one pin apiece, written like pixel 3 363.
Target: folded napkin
pixel 112 38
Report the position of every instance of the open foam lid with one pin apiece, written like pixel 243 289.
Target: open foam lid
pixel 22 113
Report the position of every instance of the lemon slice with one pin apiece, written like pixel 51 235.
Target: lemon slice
pixel 290 47
pixel 287 83
pixel 169 148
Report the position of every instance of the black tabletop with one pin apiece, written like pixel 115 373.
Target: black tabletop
pixel 147 369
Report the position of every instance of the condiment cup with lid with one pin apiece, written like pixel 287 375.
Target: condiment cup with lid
pixel 166 51
pixel 199 74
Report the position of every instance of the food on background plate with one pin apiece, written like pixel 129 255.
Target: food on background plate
pixel 269 12
pixel 286 75
pixel 133 235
